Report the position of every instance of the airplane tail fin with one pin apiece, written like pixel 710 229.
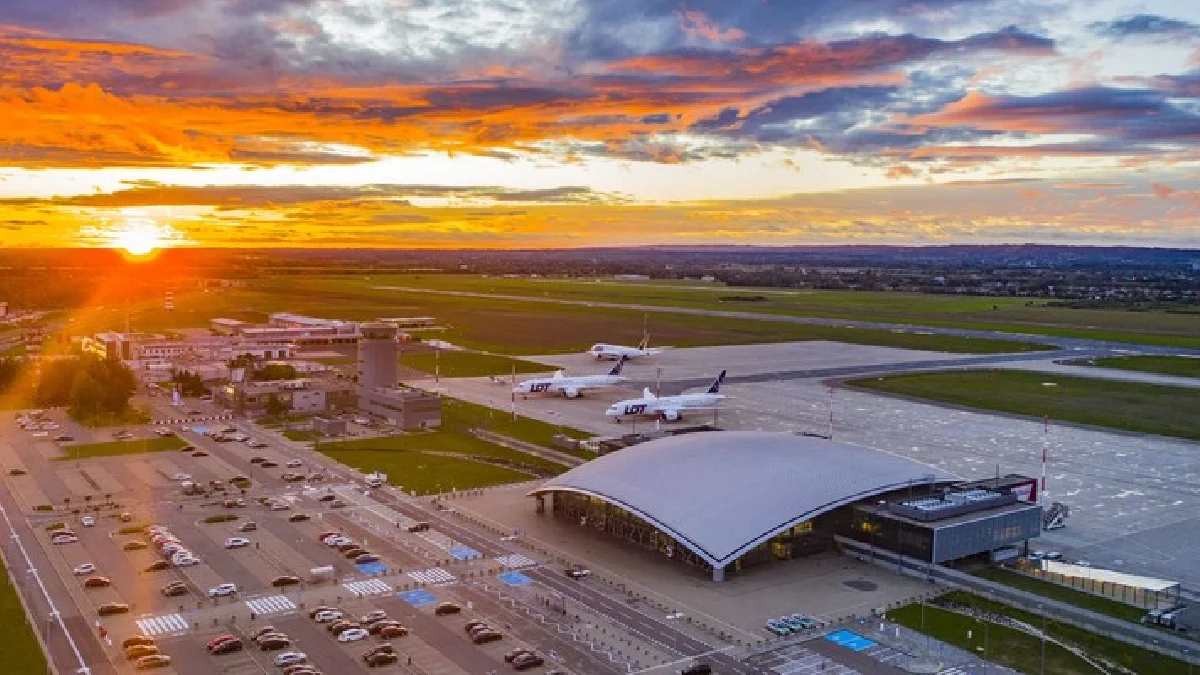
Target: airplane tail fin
pixel 616 370
pixel 558 374
pixel 715 387
pixel 646 393
pixel 645 341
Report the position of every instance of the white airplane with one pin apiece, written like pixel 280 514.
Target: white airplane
pixel 669 408
pixel 571 387
pixel 607 351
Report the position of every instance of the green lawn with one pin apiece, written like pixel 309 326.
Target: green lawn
pixel 301 435
pixel 1164 365
pixel 1004 645
pixel 504 326
pixel 1070 596
pixel 135 447
pixel 425 473
pixel 1022 652
pixel 19 649
pixel 453 363
pixel 462 415
pixel 439 441
pixel 1132 406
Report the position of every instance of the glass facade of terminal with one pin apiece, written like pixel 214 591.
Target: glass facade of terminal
pixel 598 514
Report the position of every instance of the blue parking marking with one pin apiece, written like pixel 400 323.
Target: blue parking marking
pixel 372 569
pixel 850 640
pixel 418 597
pixel 514 578
pixel 465 553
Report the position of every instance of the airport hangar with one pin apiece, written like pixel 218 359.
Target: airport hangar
pixel 723 501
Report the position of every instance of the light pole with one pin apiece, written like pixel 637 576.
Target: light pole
pixel 1042 609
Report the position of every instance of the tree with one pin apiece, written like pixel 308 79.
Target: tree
pixel 276 407
pixel 274 371
pixel 190 384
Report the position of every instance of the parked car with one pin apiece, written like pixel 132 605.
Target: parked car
pixel 313 612
pixel 485 636
pixel 227 647
pixel 64 438
pixel 97 582
pixel 391 631
pixel 173 589
pixel 65 538
pixel 445 608
pixel 237 542
pixel 222 590
pixel 138 651
pixel 508 658
pixel 327 616
pixel 16 472
pixel 257 445
pixel 697 669
pixel 289 659
pixel 152 661
pixel 84 569
pixel 158 566
pixel 298 517
pixel 293 464
pixel 372 617
pixel 136 640
pixel 352 635
pixel 88 521
pixel 375 627
pixel 337 504
pixel 135 545
pixel 272 642
pixel 285 580
pixel 111 608
pixel 257 460
pixel 527 660
pixel 280 506
pixel 268 464
pixel 219 639
pixel 339 627
pixel 383 659
pixel 385 648
pixel 366 558
pixel 578 573
pixel 248 526
pixel 353 553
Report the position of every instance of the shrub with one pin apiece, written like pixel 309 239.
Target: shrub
pixel 44 507
pixel 56 526
pixel 132 529
pixel 221 518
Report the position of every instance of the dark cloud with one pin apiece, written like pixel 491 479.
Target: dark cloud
pixel 1146 25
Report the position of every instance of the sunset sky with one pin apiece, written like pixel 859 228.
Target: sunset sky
pixel 534 123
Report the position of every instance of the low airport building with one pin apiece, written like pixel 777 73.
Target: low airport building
pixel 300 395
pixel 723 501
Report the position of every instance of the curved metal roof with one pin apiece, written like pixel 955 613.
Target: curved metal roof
pixel 721 493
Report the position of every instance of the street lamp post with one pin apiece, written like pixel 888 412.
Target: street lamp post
pixel 1042 609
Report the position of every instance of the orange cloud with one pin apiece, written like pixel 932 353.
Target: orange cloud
pixel 697 24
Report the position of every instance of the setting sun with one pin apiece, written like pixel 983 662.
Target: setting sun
pixel 138 240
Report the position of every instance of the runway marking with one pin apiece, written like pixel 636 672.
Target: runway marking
pixel 271 604
pixel 516 561
pixel 433 575
pixel 368 587
pixel 158 625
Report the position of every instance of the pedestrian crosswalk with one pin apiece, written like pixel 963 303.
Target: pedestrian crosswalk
pixel 158 625
pixel 515 561
pixel 433 575
pixel 368 587
pixel 271 604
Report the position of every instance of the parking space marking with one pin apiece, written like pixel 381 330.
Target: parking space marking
pixel 418 597
pixel 433 575
pixel 465 553
pixel 514 578
pixel 368 587
pixel 516 561
pixel 158 625
pixel 271 604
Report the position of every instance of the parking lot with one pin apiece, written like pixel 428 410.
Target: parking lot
pixel 413 572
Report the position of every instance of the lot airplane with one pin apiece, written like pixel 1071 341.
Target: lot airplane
pixel 571 387
pixel 607 351
pixel 669 408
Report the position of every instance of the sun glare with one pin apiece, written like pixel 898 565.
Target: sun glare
pixel 139 241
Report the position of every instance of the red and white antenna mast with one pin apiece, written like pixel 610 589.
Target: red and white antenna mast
pixel 1045 443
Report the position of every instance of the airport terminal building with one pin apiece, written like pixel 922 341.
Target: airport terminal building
pixel 723 501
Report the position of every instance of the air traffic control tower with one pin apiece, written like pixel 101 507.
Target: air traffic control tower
pixel 378 352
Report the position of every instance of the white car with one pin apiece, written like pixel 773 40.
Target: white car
pixel 294 464
pixel 84 569
pixel 280 506
pixel 186 560
pixel 183 476
pixel 338 541
pixel 237 542
pixel 362 421
pixel 290 659
pixel 65 539
pixel 353 635
pixel 240 438
pixel 88 521
pixel 257 445
pixel 222 590
pixel 327 616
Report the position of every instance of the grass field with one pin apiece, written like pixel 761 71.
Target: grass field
pixel 19 649
pixel 301 435
pixel 1118 610
pixel 441 442
pixel 1181 366
pixel 500 326
pixel 461 415
pixel 135 447
pixel 1132 406
pixel 987 313
pixel 453 363
pixel 426 473
pixel 1003 645
pixel 1023 652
